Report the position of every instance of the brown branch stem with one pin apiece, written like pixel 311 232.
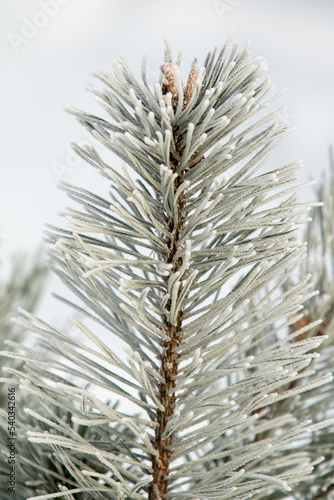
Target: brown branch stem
pixel 169 357
pixel 169 360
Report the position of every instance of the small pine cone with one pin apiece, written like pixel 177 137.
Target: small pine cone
pixel 169 82
pixel 189 90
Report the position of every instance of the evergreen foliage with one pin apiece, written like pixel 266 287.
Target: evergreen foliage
pixel 23 287
pixel 193 263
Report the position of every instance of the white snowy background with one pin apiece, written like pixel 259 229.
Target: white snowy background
pixel 49 47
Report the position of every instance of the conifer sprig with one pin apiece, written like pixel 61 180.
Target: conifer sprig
pixel 185 262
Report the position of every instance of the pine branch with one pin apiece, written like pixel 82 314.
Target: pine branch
pixel 187 261
pixel 24 286
pixel 173 329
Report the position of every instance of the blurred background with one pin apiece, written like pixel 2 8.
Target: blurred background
pixel 49 47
